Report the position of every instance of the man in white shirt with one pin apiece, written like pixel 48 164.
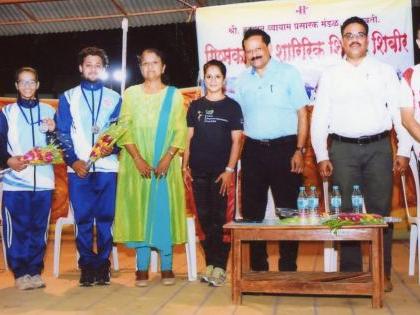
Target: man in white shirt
pixel 356 104
pixel 410 99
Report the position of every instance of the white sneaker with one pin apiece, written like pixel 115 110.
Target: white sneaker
pixel 24 283
pixel 37 282
pixel 218 277
pixel 206 276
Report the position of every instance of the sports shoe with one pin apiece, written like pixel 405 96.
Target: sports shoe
pixel 37 282
pixel 142 278
pixel 103 274
pixel 206 276
pixel 24 283
pixel 87 277
pixel 168 277
pixel 218 277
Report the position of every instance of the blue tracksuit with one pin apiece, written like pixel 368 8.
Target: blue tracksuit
pixel 27 195
pixel 89 105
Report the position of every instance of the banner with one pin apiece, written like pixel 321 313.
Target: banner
pixel 304 33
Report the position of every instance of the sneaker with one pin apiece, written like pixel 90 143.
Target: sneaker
pixel 206 276
pixel 103 275
pixel 24 283
pixel 168 277
pixel 37 282
pixel 142 278
pixel 87 277
pixel 218 277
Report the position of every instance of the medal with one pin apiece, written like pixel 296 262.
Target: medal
pixel 95 129
pixel 43 127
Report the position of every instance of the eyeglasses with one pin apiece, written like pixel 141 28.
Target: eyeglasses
pixel 350 36
pixel 30 83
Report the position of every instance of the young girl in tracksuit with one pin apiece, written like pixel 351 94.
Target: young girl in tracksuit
pixel 27 189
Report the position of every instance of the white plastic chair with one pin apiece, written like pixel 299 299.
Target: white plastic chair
pixel 1 229
pixel 69 219
pixel 330 253
pixel 414 221
pixel 190 249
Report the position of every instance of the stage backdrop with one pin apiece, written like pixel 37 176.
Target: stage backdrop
pixel 304 33
pixel 307 35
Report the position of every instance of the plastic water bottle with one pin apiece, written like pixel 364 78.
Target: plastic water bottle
pixel 302 202
pixel 335 200
pixel 357 199
pixel 313 201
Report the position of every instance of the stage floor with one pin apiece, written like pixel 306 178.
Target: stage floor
pixel 63 296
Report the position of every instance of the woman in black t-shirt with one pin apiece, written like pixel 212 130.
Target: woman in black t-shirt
pixel 215 126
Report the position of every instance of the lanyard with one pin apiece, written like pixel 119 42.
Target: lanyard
pixel 26 118
pixel 92 107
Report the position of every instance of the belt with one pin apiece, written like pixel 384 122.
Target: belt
pixel 270 142
pixel 361 140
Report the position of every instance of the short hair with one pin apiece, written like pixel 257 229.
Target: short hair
pixel 92 51
pixel 418 28
pixel 155 51
pixel 256 32
pixel 26 69
pixel 217 64
pixel 355 19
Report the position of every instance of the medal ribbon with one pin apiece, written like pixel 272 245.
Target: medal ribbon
pixel 92 107
pixel 26 118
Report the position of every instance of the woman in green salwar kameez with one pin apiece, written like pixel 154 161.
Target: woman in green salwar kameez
pixel 150 207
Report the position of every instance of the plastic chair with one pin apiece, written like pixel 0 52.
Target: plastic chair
pixel 69 219
pixel 6 266
pixel 330 253
pixel 414 221
pixel 190 249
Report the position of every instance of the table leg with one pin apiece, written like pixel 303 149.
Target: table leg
pixel 377 269
pixel 236 268
pixel 246 259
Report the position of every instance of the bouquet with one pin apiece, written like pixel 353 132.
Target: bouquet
pixel 107 139
pixel 51 154
pixel 336 222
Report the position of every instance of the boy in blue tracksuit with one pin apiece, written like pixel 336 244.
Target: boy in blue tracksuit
pixel 83 113
pixel 27 189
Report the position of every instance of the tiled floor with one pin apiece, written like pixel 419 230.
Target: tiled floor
pixel 63 296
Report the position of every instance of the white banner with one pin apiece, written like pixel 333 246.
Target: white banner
pixel 304 33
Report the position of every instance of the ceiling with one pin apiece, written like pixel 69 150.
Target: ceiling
pixel 55 16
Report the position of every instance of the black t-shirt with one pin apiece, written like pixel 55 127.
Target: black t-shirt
pixel 213 122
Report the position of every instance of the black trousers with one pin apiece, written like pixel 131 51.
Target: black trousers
pixel 267 165
pixel 370 166
pixel 211 209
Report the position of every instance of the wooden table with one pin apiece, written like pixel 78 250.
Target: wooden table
pixel 369 283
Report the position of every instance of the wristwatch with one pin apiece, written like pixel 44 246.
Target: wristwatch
pixel 301 149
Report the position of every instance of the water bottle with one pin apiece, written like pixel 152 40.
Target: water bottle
pixel 302 202
pixel 357 199
pixel 335 200
pixel 313 201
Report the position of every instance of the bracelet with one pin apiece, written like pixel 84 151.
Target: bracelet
pixel 171 153
pixel 229 169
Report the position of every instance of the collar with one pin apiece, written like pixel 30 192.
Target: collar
pixel 27 103
pixel 365 61
pixel 92 86
pixel 267 67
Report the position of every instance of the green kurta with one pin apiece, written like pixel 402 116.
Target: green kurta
pixel 133 190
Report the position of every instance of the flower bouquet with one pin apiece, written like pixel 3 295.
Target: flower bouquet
pixel 338 221
pixel 107 139
pixel 51 154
